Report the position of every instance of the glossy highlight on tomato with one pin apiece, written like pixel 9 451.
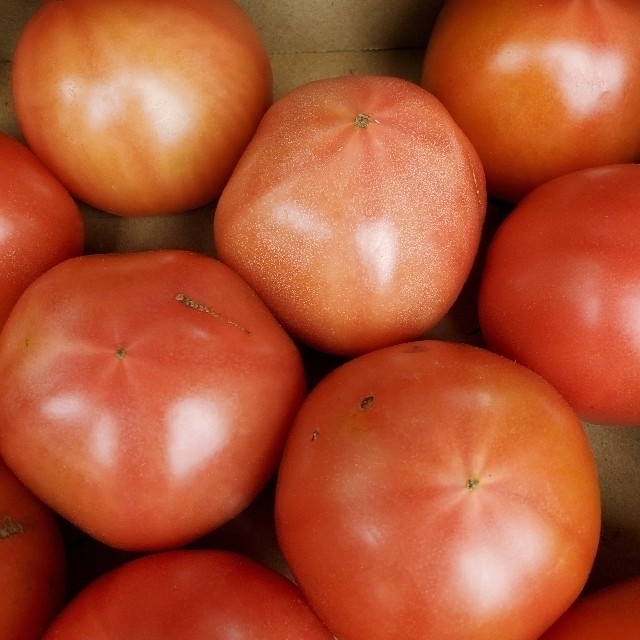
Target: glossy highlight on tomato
pixel 355 212
pixel 154 390
pixel 560 290
pixel 437 490
pixel 540 88
pixel 138 107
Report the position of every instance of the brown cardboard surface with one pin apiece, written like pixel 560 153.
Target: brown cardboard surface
pixel 308 40
pixel 341 25
pixel 617 452
pixel 12 16
pixel 293 69
pixel 296 26
pixel 7 121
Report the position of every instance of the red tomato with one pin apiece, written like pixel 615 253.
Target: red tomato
pixel 355 212
pixel 200 595
pixel 540 88
pixel 560 292
pixel 145 396
pixel 140 107
pixel 612 612
pixel 437 490
pixel 40 224
pixel 32 558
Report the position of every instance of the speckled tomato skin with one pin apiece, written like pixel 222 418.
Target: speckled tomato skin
pixel 355 212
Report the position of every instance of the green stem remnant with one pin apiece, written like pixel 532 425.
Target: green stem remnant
pixel 198 306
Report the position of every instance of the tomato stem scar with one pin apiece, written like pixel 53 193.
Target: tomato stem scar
pixel 10 527
pixel 472 483
pixel 120 352
pixel 198 306
pixel 362 120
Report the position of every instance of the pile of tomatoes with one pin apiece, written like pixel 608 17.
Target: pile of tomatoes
pixel 277 438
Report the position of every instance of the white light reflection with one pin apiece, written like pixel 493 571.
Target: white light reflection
pixel 486 571
pixel 99 429
pixel 583 74
pixel 6 229
pixel 163 106
pixel 297 218
pixel 196 431
pixel 67 406
pixel 377 245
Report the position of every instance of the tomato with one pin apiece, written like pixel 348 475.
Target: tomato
pixel 145 396
pixel 540 88
pixel 140 107
pixel 40 223
pixel 560 290
pixel 355 212
pixel 32 580
pixel 611 612
pixel 437 490
pixel 200 595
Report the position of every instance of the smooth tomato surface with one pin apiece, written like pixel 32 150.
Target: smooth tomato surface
pixel 145 396
pixel 195 595
pixel 355 212
pixel 437 490
pixel 40 224
pixel 560 290
pixel 32 557
pixel 540 88
pixel 610 612
pixel 140 107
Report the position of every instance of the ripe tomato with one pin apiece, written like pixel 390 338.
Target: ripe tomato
pixel 560 292
pixel 145 396
pixel 540 88
pixel 40 224
pixel 437 490
pixel 140 107
pixel 611 612
pixel 355 212
pixel 32 558
pixel 200 595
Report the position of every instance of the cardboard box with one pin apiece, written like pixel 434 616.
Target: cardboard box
pixel 307 40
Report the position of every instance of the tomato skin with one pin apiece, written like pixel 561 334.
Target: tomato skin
pixel 139 107
pixel 32 557
pixel 560 290
pixel 356 237
pixel 195 594
pixel 610 612
pixel 40 224
pixel 145 419
pixel 437 490
pixel 540 89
